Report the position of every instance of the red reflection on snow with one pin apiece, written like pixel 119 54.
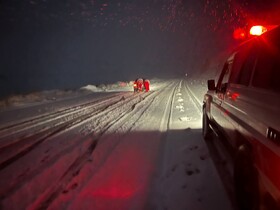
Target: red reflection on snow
pixel 123 179
pixel 116 187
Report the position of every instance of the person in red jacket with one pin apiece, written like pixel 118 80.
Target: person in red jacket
pixel 140 84
pixel 147 85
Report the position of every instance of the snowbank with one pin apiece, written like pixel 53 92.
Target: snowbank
pixel 91 88
pixel 53 95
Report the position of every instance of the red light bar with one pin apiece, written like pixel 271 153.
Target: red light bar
pixel 257 30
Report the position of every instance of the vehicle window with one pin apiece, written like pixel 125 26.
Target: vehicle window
pixel 227 73
pixel 267 72
pixel 242 65
pixel 237 64
pixel 247 68
pixel 223 77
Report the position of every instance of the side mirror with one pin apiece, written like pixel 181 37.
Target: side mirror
pixel 211 84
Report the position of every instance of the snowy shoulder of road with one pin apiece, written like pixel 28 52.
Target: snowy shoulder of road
pixel 26 106
pixel 187 177
pixel 49 96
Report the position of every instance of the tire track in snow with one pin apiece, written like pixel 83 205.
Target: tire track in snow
pixel 28 122
pixel 43 122
pixel 136 110
pixel 13 150
pixel 140 109
pixel 167 120
pixel 81 161
pixel 107 123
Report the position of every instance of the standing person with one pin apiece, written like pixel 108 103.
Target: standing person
pixel 147 85
pixel 135 86
pixel 140 84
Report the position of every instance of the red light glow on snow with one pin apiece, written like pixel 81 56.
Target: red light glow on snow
pixel 120 181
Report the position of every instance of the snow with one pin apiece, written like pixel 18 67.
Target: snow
pixel 91 88
pixel 122 150
pixel 53 95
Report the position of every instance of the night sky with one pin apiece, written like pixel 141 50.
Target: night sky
pixel 66 44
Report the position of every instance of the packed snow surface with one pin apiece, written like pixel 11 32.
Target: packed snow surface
pixel 109 148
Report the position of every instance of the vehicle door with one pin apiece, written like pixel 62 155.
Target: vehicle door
pixel 219 94
pixel 265 81
pixel 237 99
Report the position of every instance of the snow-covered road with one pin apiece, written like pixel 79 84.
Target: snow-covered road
pixel 116 150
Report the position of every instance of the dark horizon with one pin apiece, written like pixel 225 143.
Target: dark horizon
pixel 68 44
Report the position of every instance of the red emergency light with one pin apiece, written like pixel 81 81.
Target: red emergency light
pixel 239 33
pixel 257 30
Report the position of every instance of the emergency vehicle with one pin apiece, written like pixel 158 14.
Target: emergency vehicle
pixel 243 108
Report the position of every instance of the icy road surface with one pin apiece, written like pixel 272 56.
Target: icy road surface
pixel 108 151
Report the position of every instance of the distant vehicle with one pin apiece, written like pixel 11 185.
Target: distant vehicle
pixel 244 108
pixel 140 85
